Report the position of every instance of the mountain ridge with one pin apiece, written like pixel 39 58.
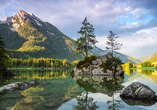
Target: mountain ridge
pixel 28 35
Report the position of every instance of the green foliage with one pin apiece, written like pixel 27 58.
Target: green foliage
pixel 4 58
pixel 87 41
pixel 86 62
pixel 146 64
pixel 129 64
pixel 147 72
pixel 110 63
pixel 41 62
pixel 136 89
pixel 112 43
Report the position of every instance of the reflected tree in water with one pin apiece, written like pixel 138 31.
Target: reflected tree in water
pixel 116 87
pixel 85 103
pixel 102 84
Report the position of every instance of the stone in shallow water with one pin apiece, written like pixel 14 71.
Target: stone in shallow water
pixel 19 86
pixel 138 90
pixel 51 105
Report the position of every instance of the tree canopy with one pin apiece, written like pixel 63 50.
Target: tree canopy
pixel 87 41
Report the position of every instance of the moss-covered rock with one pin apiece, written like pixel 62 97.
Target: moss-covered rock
pixel 99 65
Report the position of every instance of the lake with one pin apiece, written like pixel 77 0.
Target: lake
pixel 64 92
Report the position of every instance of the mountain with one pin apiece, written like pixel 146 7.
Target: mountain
pixel 124 58
pixel 30 35
pixel 26 35
pixel 153 57
pixel 142 59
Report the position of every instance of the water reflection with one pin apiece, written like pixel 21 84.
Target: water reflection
pixel 38 74
pixel 151 74
pixel 85 103
pixel 82 92
pixel 58 89
pixel 108 85
pixel 133 102
pixel 31 99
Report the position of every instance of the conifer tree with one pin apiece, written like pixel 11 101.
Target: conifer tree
pixel 4 58
pixel 87 41
pixel 112 43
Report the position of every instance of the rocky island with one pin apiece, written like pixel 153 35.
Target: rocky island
pixel 99 65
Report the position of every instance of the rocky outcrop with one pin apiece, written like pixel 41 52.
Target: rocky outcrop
pixel 5 72
pixel 19 86
pixel 95 68
pixel 138 91
pixel 6 20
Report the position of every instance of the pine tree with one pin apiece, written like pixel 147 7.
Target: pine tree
pixel 113 44
pixel 87 41
pixel 4 58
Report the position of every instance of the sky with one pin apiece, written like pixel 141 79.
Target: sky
pixel 134 21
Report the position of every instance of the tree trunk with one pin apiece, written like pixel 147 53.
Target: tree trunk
pixel 86 45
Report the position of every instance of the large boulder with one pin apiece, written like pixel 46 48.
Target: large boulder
pixel 138 91
pixel 94 66
pixel 19 86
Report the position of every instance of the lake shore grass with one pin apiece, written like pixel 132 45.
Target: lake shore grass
pixel 147 68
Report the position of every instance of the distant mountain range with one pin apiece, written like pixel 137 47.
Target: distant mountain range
pixel 26 35
pixel 142 59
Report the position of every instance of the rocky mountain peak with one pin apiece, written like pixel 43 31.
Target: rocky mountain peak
pixel 26 15
pixel 6 20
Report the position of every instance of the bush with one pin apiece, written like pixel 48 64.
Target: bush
pixel 86 62
pixel 111 62
pixel 146 64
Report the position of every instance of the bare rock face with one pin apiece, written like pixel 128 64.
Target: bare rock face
pixel 94 67
pixel 6 20
pixel 138 91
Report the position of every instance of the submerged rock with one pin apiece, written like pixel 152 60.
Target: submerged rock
pixel 19 86
pixel 138 91
pixel 51 105
pixel 96 65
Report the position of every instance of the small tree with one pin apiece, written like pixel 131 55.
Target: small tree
pixel 4 58
pixel 87 41
pixel 113 44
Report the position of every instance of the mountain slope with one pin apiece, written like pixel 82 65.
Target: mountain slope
pixel 142 59
pixel 124 58
pixel 29 34
pixel 153 57
pixel 25 35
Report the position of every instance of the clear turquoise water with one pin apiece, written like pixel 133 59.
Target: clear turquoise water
pixel 64 92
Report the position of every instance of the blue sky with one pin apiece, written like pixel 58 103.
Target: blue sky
pixel 134 21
